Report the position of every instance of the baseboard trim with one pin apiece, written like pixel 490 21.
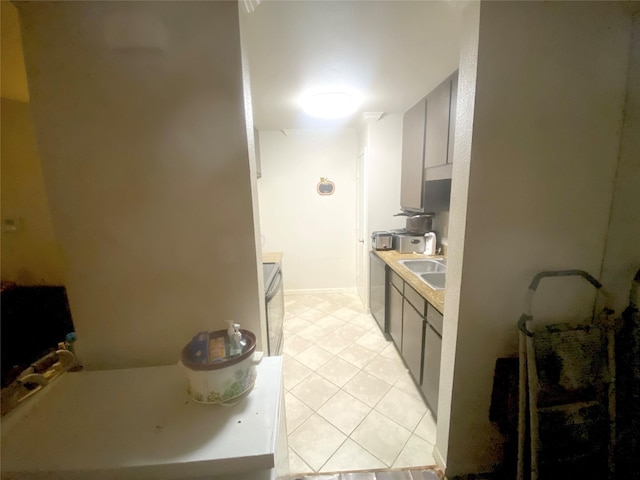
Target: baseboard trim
pixel 311 291
pixel 437 456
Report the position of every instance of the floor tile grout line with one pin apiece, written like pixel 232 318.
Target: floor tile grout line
pixel 367 330
pixel 371 409
pixel 362 446
pixel 352 343
pixel 302 422
pixel 305 462
pixel 401 450
pixel 331 456
pixel 361 369
pixel 315 410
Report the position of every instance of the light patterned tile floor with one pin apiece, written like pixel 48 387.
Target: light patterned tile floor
pixel 350 402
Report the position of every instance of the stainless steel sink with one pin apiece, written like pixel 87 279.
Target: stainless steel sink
pixel 434 280
pixel 424 266
pixel 430 271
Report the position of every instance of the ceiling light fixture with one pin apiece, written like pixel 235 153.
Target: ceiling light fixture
pixel 334 104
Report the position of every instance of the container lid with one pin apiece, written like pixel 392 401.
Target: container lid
pixel 192 361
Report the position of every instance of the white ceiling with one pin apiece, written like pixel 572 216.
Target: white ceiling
pixel 393 52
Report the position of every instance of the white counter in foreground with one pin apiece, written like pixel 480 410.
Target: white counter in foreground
pixel 140 424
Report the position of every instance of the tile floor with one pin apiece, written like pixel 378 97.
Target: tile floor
pixel 350 402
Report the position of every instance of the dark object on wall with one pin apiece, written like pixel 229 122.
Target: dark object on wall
pixel 34 320
pixel 628 387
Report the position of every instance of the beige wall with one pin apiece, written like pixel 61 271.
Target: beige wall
pixel 30 255
pixel 315 232
pixel 139 115
pixel 456 227
pixel 622 258
pixel 13 79
pixel 380 148
pixel 540 169
pixel 383 168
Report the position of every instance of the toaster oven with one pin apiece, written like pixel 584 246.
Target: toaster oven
pixel 381 240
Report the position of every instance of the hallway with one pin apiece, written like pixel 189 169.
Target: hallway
pixel 351 403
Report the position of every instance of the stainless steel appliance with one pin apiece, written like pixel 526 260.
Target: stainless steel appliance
pixel 408 243
pixel 377 292
pixel 417 223
pixel 274 304
pixel 381 240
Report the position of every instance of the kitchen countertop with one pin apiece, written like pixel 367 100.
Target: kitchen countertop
pixel 392 257
pixel 140 423
pixel 275 257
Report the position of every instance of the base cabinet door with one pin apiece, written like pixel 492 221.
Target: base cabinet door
pixel 431 377
pixel 395 315
pixel 412 340
pixel 377 290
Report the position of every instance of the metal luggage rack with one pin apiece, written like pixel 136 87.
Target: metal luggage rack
pixel 567 381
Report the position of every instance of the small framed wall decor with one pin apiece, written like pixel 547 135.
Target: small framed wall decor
pixel 325 186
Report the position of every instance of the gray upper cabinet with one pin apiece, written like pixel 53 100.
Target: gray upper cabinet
pixel 441 121
pixel 452 116
pixel 437 136
pixel 413 157
pixel 256 139
pixel 427 147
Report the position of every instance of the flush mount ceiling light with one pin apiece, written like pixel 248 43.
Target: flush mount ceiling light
pixel 334 104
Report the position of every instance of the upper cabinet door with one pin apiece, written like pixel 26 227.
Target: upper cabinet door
pixel 256 139
pixel 413 157
pixel 437 136
pixel 452 116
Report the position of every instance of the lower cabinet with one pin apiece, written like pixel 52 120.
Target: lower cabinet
pixel 413 324
pixel 395 315
pixel 415 327
pixel 431 377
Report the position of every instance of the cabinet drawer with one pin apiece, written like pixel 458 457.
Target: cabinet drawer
pixel 434 318
pixel 397 281
pixel 415 299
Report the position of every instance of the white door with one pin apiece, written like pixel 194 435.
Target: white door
pixel 362 258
